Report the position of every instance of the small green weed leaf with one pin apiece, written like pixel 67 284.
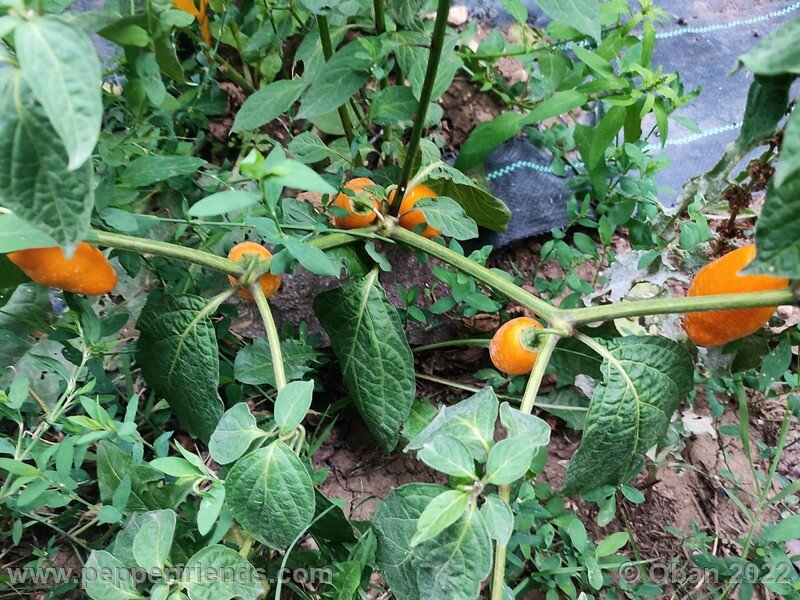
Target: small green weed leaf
pixel 235 432
pixel 268 103
pixel 224 202
pixel 147 170
pixel 498 518
pixel 486 210
pixel 292 404
pixel 153 540
pixel 210 506
pixel 309 148
pixel 448 455
pixel 271 495
pixel 253 364
pixel 453 565
pixel 611 544
pixel 776 54
pixel 509 459
pixel 471 421
pixel 441 512
pixel 202 575
pixel 446 215
pixel 60 65
pixel 583 15
pixel 393 105
pixel 19 468
pixel 36 183
pixel 311 257
pixel 102 578
pixel 644 380
pixel 785 530
pixel 176 467
pixel 518 423
pixel 341 77
pixel 177 351
pixel 371 346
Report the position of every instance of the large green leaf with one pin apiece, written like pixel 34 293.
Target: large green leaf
pixel 778 232
pixel 268 103
pixel 452 565
pixel 490 134
pixel 644 380
pixel 35 182
pixel 777 53
pixel 60 65
pixel 235 432
pixel 412 57
pixel 204 575
pixel 16 234
pixel 271 495
pixel 486 210
pixel 177 351
pixel 102 578
pixel 147 170
pixel 368 339
pixel 343 75
pixel 159 528
pixel 583 15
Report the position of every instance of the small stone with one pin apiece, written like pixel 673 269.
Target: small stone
pixel 458 16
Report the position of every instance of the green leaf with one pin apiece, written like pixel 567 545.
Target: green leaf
pixel 778 53
pixel 517 10
pixel 412 57
pixel 292 404
pixel 153 540
pixel 611 544
pixel 778 232
pixel 767 100
pixel 125 33
pixel 568 404
pixel 446 215
pixel 253 364
pixel 268 103
pixel 16 234
pixel 224 202
pixel 441 512
pixel 220 573
pixel 177 352
pixel 309 148
pixel 235 432
pixel 604 134
pixel 509 460
pixel 486 210
pixel 486 137
pixel 371 346
pixel 176 466
pixel 787 529
pixel 103 578
pixel 518 423
pixel 60 65
pixel 583 15
pixel 311 257
pixel 471 421
pixel 147 170
pixel 210 507
pixel 16 467
pixel 150 77
pixel 35 182
pixel 271 495
pixel 498 518
pixel 789 165
pixel 644 380
pixel 393 105
pixel 451 566
pixel 448 455
pixel 341 77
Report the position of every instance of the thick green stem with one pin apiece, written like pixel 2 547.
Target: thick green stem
pixel 206 259
pixel 479 272
pixel 327 52
pixel 528 402
pixel 437 43
pixel 148 246
pixel 662 306
pixel 273 338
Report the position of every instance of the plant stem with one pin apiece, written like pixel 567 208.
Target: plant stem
pixel 206 259
pixel 437 43
pixel 661 306
pixel 451 343
pixel 327 52
pixel 479 272
pixel 528 402
pixel 273 338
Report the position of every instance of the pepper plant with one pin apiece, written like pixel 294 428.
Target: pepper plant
pixel 145 432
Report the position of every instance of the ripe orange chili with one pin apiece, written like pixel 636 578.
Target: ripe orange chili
pixel 86 272
pixel 410 217
pixel 508 349
pixel 269 282
pixel 360 208
pixel 721 276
